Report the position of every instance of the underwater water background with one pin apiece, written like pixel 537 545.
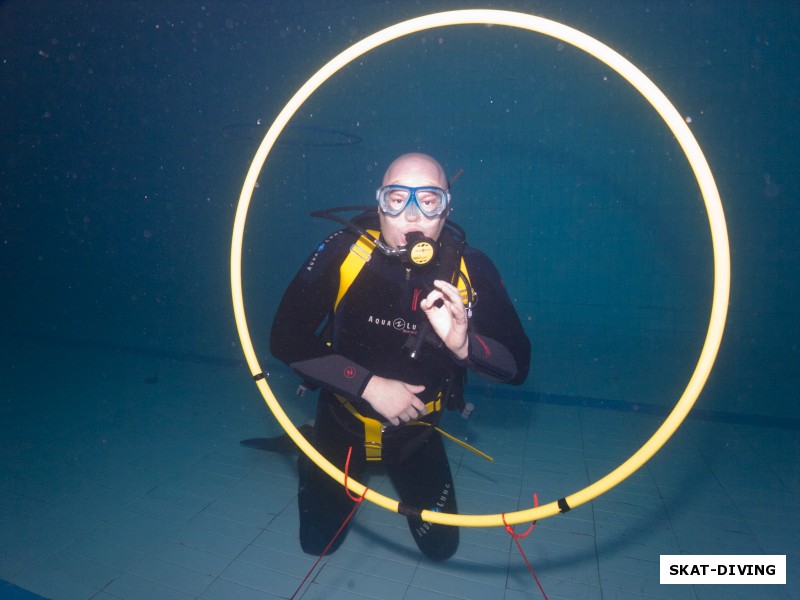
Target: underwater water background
pixel 128 126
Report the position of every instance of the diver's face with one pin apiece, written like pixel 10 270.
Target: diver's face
pixel 412 172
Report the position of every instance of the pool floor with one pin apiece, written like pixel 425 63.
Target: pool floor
pixel 122 477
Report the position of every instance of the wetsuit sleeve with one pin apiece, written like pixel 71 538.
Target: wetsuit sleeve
pixel 304 308
pixel 499 349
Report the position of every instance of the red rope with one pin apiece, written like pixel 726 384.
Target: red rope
pixel 517 536
pixel 357 501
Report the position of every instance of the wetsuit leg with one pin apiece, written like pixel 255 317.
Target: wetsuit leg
pixel 323 502
pixel 424 481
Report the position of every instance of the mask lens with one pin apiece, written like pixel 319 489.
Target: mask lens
pixel 431 201
pixel 393 199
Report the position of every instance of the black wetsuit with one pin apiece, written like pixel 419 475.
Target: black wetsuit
pixel 367 335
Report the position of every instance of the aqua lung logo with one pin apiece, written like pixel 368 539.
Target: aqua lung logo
pixel 313 260
pixel 443 498
pixel 398 324
pixel 425 527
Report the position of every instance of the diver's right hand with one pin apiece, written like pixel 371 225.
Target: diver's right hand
pixel 395 400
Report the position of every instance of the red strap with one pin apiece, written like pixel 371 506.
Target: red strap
pixel 346 521
pixel 355 499
pixel 517 536
pixel 510 528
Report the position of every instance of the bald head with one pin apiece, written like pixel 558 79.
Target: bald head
pixel 417 167
pixel 414 170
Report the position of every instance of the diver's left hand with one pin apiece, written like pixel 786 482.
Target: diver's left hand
pixel 448 317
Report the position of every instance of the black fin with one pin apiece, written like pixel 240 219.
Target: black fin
pixel 281 444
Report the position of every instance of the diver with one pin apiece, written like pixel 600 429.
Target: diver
pixel 386 317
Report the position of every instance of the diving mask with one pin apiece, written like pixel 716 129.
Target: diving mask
pixel 431 201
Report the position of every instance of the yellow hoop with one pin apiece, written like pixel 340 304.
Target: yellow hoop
pixel 719 238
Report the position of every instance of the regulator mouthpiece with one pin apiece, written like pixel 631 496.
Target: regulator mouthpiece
pixel 420 250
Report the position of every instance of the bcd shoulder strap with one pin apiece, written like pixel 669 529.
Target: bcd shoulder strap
pixel 361 253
